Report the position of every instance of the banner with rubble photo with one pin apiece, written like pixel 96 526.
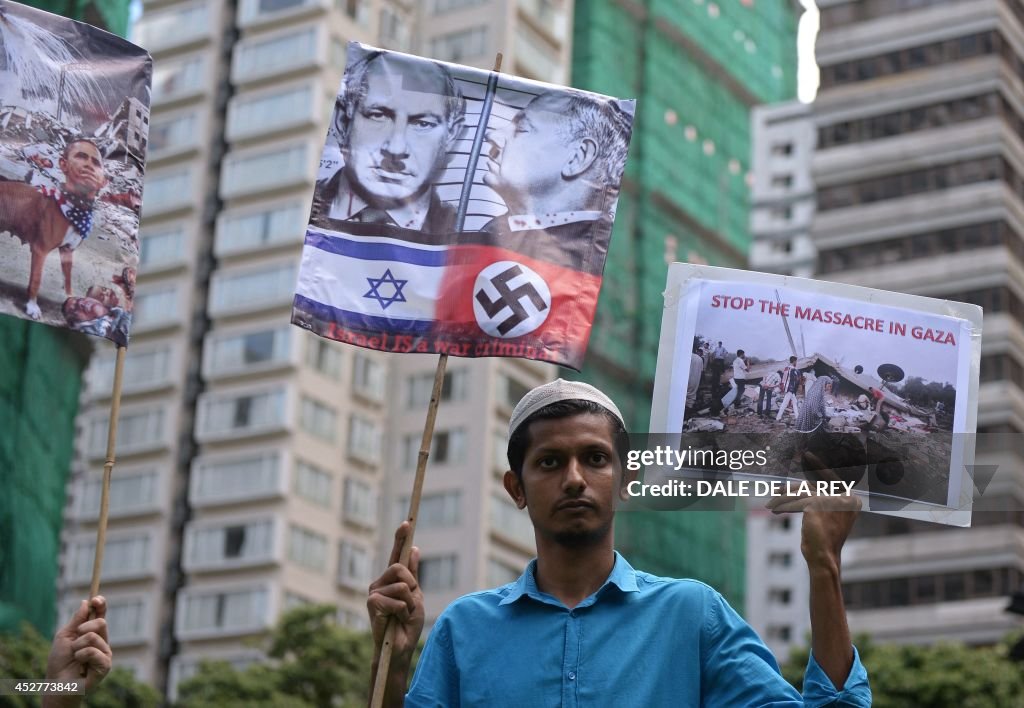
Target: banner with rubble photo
pixel 882 386
pixel 461 211
pixel 74 121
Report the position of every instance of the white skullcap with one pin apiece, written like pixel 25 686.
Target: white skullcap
pixel 554 392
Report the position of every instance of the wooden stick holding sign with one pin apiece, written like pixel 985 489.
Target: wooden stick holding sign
pixel 388 644
pixel 108 468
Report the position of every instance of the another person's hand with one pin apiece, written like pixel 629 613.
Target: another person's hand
pixel 82 642
pixel 396 593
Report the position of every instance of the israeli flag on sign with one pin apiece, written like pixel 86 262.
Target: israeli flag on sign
pixel 369 283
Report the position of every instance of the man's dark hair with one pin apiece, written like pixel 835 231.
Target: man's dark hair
pixel 740 352
pixel 519 443
pixel 65 153
pixel 792 360
pixel 356 84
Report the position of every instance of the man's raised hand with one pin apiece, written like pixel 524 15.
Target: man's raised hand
pixel 396 593
pixel 82 642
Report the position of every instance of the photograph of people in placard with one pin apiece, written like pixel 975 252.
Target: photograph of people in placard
pixel 814 369
pixel 74 119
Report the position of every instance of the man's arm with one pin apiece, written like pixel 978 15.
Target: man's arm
pixel 396 595
pixel 827 522
pixel 82 642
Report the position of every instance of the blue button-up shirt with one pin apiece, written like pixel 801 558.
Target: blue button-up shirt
pixel 640 640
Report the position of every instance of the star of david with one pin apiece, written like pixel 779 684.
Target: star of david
pixel 387 279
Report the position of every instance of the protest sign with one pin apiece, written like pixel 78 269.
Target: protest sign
pixel 461 211
pixel 888 379
pixel 74 121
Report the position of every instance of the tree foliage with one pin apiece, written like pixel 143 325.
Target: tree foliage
pixel 313 662
pixel 23 656
pixel 943 675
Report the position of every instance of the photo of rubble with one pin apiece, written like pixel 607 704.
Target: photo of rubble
pixel 74 122
pixel 872 389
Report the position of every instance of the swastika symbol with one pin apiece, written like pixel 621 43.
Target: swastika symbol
pixel 510 299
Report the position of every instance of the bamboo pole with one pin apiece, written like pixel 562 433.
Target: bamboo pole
pixel 108 467
pixel 388 644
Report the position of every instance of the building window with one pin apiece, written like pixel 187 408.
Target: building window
pixel 228 353
pixel 437 510
pixel 252 289
pixel 174 79
pixel 168 190
pixel 164 28
pixel 420 386
pixel 124 557
pixel 230 415
pixel 126 619
pixel 312 483
pixel 251 172
pixel 782 181
pixel 145 368
pixel 324 355
pixel 954 586
pixel 161 248
pixel 269 112
pixel 354 566
pixel 228 545
pixel 460 46
pixel 779 632
pixel 511 391
pixel 368 377
pixel 446 447
pixel 438 572
pixel 138 430
pixel 172 134
pixel 307 548
pixel 212 612
pixel 129 492
pixel 500 573
pixel 318 419
pixel 236 478
pixel 155 307
pixel 780 559
pixel 510 522
pixel 360 503
pixel 783 149
pixel 246 230
pixel 357 10
pixel 393 32
pixel 442 6
pixel 779 596
pixel 364 441
pixel 263 57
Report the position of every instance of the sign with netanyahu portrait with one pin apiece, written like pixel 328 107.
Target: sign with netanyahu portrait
pixel 461 211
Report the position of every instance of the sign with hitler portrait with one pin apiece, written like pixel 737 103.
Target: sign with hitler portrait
pixel 74 122
pixel 461 211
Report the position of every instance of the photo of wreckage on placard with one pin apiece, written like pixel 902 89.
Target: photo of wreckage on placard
pixel 882 386
pixel 74 122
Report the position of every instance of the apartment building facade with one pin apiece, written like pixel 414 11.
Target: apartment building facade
pixel 259 466
pixel 916 173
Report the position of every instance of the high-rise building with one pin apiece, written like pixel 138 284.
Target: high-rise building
pixel 259 466
pixel 697 68
pixel 917 178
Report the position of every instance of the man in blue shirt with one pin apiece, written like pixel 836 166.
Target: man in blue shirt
pixel 583 628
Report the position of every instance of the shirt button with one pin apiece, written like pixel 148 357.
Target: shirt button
pixel 572 613
pixel 572 675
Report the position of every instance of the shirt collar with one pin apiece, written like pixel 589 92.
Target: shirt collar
pixel 622 576
pixel 532 222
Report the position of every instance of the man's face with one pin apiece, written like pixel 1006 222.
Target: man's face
pixel 398 139
pixel 85 309
pixel 569 477
pixel 83 169
pixel 528 155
